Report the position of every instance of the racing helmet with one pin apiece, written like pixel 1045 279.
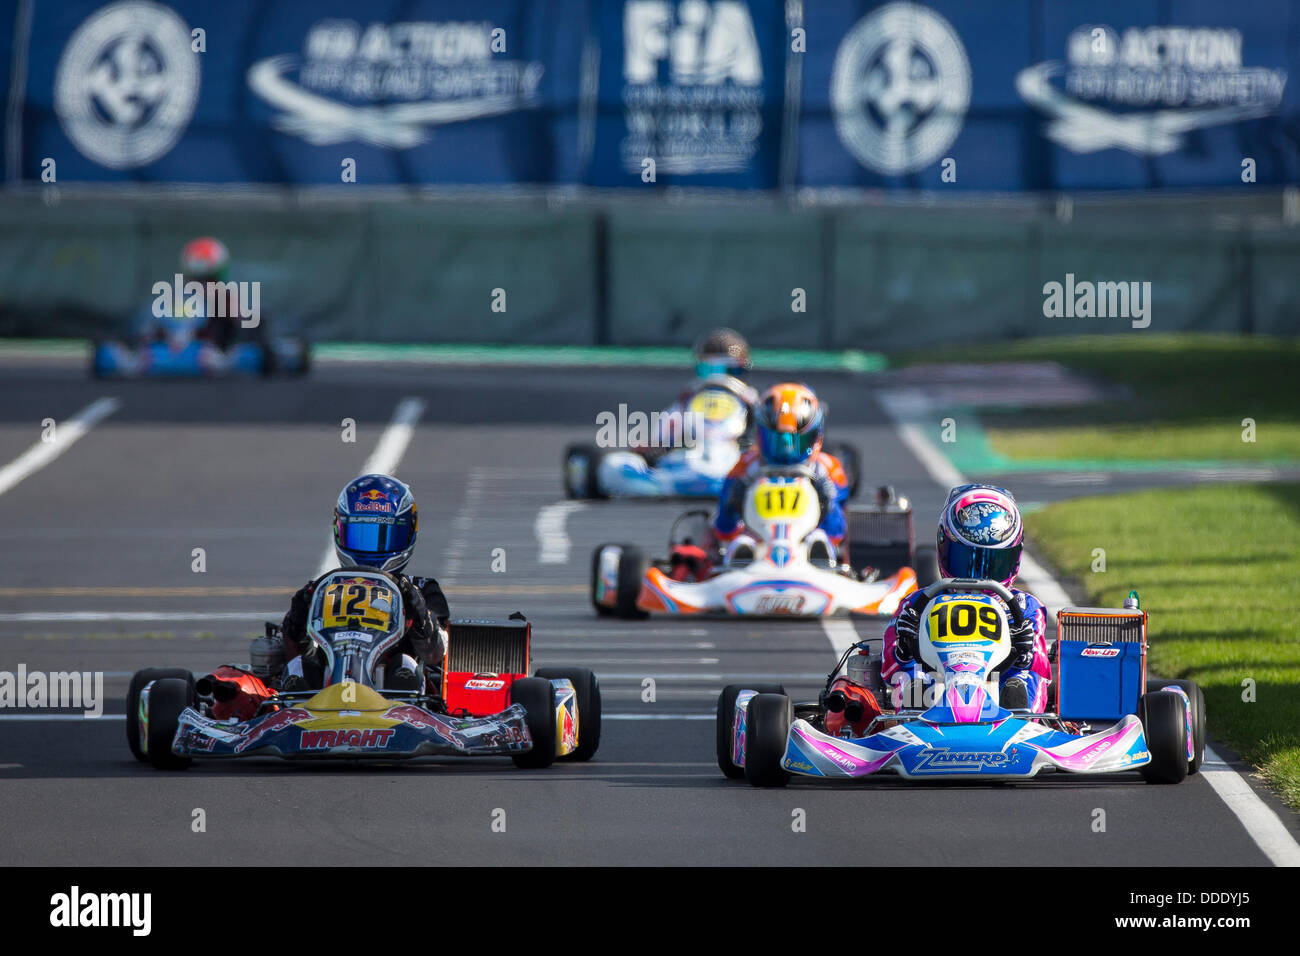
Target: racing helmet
pixel 791 423
pixel 375 523
pixel 205 259
pixel 980 534
pixel 722 352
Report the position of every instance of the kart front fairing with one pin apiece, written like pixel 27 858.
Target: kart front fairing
pixel 934 746
pixel 352 721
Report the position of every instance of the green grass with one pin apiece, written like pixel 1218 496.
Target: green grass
pixel 1218 569
pixel 1186 398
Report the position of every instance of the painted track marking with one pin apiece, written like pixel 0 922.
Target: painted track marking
pixel 552 537
pixel 66 435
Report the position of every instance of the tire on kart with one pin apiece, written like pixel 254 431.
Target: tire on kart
pixel 726 721
pixel 588 486
pixel 767 725
pixel 926 560
pixel 588 687
pixel 167 698
pixel 537 697
pixel 852 462
pixel 138 682
pixel 1165 726
pixel 1197 699
pixel 632 566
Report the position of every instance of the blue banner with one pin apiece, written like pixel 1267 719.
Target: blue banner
pixel 766 94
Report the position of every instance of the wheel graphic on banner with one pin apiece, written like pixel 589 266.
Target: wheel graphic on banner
pixel 127 84
pixel 900 88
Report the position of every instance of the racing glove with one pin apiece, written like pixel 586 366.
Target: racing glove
pixel 1022 645
pixel 422 634
pixel 906 628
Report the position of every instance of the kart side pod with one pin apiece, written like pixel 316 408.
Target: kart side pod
pixel 1101 662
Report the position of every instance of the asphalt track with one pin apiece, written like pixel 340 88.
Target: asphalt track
pixel 98 576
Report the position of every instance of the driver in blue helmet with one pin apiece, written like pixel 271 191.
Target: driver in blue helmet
pixel 375 526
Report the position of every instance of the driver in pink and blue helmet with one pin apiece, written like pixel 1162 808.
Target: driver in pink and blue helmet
pixel 981 535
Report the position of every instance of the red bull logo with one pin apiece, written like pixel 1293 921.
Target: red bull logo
pixel 370 739
pixel 373 500
pixel 415 717
pixel 277 721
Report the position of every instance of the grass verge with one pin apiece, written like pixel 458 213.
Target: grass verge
pixel 1218 569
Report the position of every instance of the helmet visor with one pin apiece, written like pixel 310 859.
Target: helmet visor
pixel 987 564
pixel 709 367
pixel 787 448
pixel 372 536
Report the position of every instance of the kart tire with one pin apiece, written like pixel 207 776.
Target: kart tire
pixel 927 566
pixel 632 566
pixel 852 462
pixel 589 484
pixel 588 688
pixel 167 698
pixel 767 725
pixel 1165 727
pixel 138 682
pixel 1197 699
pixel 537 697
pixel 726 719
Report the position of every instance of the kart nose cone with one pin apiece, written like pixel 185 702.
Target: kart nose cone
pixel 348 696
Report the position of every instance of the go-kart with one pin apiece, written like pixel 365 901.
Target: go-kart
pixel 693 468
pixel 485 705
pixel 1110 719
pixel 780 565
pixel 188 357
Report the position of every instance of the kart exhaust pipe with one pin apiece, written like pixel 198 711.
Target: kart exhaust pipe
pixel 216 688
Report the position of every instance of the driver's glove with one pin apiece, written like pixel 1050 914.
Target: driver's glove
pixel 1022 645
pixel 906 628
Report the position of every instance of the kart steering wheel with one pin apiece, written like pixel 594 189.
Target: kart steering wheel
pixel 946 585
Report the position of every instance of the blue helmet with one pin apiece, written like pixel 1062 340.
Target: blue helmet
pixel 375 523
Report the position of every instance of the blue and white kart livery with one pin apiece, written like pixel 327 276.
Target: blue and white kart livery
pixel 964 638
pixel 700 442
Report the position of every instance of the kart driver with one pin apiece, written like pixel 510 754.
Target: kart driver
pixel 791 424
pixel 980 536
pixel 721 360
pixel 375 526
pixel 204 260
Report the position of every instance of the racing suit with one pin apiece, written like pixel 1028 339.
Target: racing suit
pixel 827 475
pixel 425 638
pixel 668 438
pixel 898 669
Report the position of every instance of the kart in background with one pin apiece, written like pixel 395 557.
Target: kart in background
pixel 780 565
pixel 487 705
pixel 694 470
pixel 1109 719
pixel 196 358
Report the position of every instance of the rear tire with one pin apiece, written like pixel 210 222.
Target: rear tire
pixel 588 688
pixel 852 462
pixel 1197 699
pixel 1165 725
pixel 138 682
pixel 581 467
pixel 767 725
pixel 927 567
pixel 632 566
pixel 167 698
pixel 537 697
pixel 726 720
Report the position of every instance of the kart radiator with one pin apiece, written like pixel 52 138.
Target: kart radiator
pixel 488 647
pixel 880 538
pixel 1101 662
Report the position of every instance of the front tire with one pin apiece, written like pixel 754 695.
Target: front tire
pixel 1197 699
pixel 1164 723
pixel 537 697
pixel 167 698
pixel 852 462
pixel 767 726
pixel 726 722
pixel 139 680
pixel 927 567
pixel 581 472
pixel 632 566
pixel 588 688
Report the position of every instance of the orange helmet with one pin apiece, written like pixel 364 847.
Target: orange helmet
pixel 791 422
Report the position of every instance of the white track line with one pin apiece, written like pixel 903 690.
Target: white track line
pixel 56 617
pixel 1261 823
pixel 66 434
pixel 384 459
pixel 552 538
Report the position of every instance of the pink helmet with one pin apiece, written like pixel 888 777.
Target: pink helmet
pixel 980 534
